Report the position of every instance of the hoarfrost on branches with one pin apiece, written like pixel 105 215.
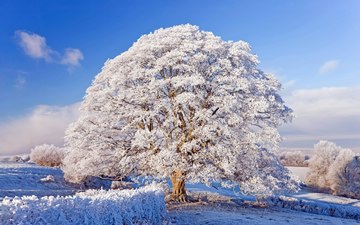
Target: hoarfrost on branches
pixel 145 205
pixel 47 155
pixel 181 100
pixel 334 169
pixel 294 158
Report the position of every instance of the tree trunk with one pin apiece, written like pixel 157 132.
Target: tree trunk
pixel 178 186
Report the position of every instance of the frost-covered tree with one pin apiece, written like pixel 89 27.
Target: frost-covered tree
pixel 341 176
pixel 325 153
pixel 182 103
pixel 352 170
pixel 335 170
pixel 294 158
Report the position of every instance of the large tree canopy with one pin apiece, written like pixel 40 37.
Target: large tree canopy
pixel 181 100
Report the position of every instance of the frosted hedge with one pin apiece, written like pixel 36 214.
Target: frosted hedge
pixel 142 206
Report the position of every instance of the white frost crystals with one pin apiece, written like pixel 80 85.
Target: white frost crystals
pixel 181 99
pixel 141 206
pixel 335 170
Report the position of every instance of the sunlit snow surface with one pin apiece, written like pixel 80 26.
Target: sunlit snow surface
pixel 250 216
pixel 17 179
pixel 308 194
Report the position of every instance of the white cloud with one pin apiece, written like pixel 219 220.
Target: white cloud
pixel 20 82
pixel 328 67
pixel 45 124
pixel 288 84
pixel 331 113
pixel 34 45
pixel 72 57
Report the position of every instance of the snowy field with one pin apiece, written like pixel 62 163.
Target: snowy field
pixel 308 194
pixel 17 179
pixel 216 205
pixel 228 214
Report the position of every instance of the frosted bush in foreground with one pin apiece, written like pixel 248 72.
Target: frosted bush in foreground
pixel 335 170
pixel 142 206
pixel 47 155
pixel 295 158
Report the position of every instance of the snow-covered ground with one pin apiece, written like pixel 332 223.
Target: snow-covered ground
pixel 309 194
pixel 228 214
pixel 17 179
pixel 216 205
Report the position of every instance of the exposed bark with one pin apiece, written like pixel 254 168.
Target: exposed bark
pixel 178 186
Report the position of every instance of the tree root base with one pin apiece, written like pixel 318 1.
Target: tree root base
pixel 182 198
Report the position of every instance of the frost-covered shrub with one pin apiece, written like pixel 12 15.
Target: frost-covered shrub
pixel 354 177
pixel 344 174
pixel 47 155
pixel 335 170
pixel 319 164
pixel 142 206
pixel 15 158
pixel 25 158
pixel 293 158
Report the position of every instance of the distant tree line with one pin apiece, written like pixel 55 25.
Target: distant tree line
pixel 294 158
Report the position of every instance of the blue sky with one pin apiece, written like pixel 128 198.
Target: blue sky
pixel 312 46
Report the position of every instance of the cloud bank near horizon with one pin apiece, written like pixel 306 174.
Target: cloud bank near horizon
pixel 329 113
pixel 45 124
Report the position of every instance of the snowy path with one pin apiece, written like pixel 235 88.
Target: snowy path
pixel 250 216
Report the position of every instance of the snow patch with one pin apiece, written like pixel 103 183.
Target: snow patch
pixel 48 178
